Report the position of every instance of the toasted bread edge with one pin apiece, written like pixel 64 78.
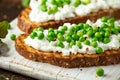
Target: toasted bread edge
pixel 71 61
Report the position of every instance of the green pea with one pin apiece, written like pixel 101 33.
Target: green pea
pixel 119 39
pixel 33 35
pixel 99 72
pixel 61 31
pixel 111 25
pixel 83 31
pixel 107 34
pixel 95 29
pixel 90 33
pixel 80 25
pixel 60 44
pixel 51 34
pixel 94 44
pixel 25 3
pixel 43 1
pixel 100 39
pixel 75 36
pixel 102 33
pixel 77 28
pixel 90 28
pixel 50 38
pixel 106 40
pixel 81 39
pixel 97 34
pixel 104 19
pixel 72 43
pixel 40 36
pixel 59 3
pixel 50 11
pixel 68 39
pixel 94 39
pixel 67 1
pixel 44 8
pixel 60 37
pixel 115 31
pixel 108 29
pixel 118 28
pixel 104 25
pixel 35 29
pixel 40 29
pixel 80 33
pixel 50 30
pixel 85 2
pixel 70 33
pixel 64 28
pixel 99 50
pixel 57 32
pixel 72 29
pixel 9 26
pixel 86 26
pixel 101 29
pixel 77 3
pixel 53 2
pixel 12 36
pixel 111 20
pixel 78 43
pixel 87 42
pixel 55 9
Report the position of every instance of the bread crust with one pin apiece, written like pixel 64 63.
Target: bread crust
pixel 72 61
pixel 26 25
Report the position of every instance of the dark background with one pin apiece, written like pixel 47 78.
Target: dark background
pixel 9 9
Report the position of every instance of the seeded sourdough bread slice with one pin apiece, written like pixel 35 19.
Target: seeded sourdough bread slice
pixel 26 25
pixel 71 61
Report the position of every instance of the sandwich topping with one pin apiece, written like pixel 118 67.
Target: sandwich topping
pixel 89 37
pixel 45 10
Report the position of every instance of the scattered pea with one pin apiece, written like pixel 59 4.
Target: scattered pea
pixel 12 36
pixel 99 72
pixel 9 26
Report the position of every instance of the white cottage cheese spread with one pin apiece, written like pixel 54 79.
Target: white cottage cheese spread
pixel 68 11
pixel 45 45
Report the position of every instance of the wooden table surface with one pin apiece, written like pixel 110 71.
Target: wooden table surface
pixel 9 9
